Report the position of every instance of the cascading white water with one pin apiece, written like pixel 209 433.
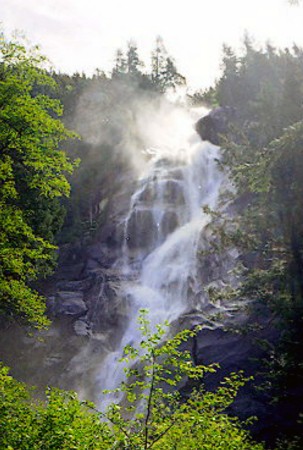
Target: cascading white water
pixel 162 232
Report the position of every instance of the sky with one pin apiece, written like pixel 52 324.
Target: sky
pixel 82 35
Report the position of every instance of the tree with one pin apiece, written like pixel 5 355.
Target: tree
pixel 120 64
pixel 263 154
pixel 32 177
pixel 62 422
pixel 164 73
pixel 152 415
pixel 133 62
pixel 158 57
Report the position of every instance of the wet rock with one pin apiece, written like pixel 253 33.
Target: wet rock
pixel 164 162
pixel 104 307
pixel 169 223
pixel 74 285
pixel 52 360
pixel 236 346
pixel 168 191
pixel 148 194
pixel 177 174
pixel 70 304
pixel 173 193
pixel 82 327
pixel 71 262
pixel 140 229
pixel 215 123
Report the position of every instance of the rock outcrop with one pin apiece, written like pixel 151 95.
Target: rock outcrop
pixel 216 123
pixel 69 303
pixel 236 345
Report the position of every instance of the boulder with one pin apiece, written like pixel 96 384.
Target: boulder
pixel 82 327
pixel 70 304
pixel 215 123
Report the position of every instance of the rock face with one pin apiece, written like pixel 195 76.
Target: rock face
pixel 140 232
pixel 215 123
pixel 69 303
pixel 236 347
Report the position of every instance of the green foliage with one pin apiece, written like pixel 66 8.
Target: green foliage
pixel 263 154
pixel 32 177
pixel 264 157
pixel 152 414
pixel 63 422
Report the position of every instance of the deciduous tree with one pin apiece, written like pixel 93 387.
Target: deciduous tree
pixel 33 172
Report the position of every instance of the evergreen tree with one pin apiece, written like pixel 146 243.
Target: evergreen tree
pixel 164 74
pixel 120 64
pixel 158 57
pixel 133 62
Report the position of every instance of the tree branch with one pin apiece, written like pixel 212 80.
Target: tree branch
pixel 162 434
pixel 149 400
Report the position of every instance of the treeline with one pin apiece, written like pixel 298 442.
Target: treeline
pixel 263 151
pixel 163 74
pixel 263 85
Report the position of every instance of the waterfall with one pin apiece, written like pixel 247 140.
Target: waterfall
pixel 162 231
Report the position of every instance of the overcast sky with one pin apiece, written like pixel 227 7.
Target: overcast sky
pixel 81 35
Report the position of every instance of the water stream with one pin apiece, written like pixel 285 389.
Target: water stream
pixel 162 231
